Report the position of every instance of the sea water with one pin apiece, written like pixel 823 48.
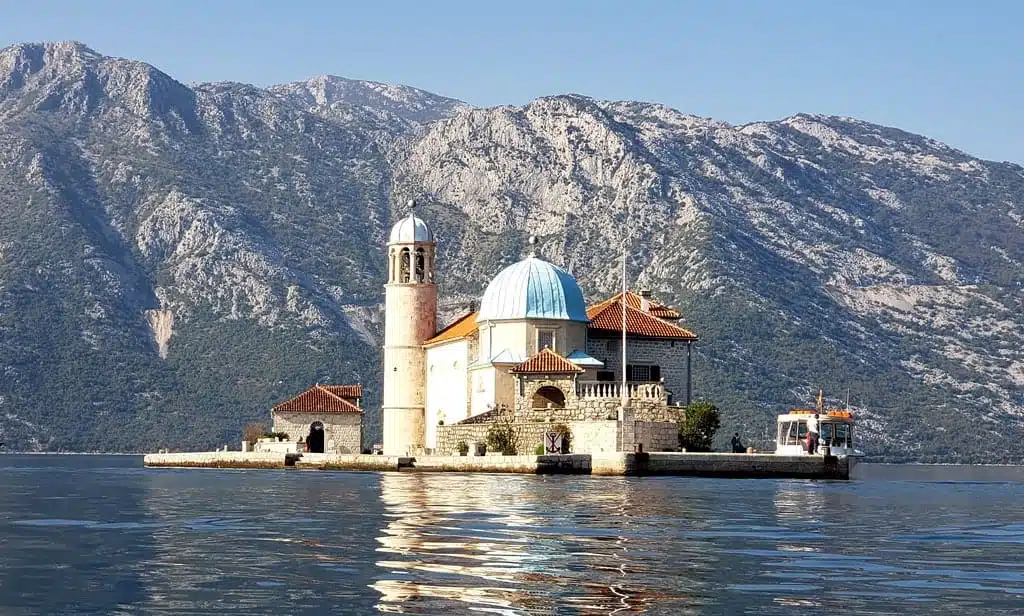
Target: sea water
pixel 102 535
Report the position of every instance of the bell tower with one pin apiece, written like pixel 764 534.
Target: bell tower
pixel 410 318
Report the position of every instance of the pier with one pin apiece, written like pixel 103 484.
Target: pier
pixel 605 464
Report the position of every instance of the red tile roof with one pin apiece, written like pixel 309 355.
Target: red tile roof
pixel 546 362
pixel 636 301
pixel 349 392
pixel 607 316
pixel 461 328
pixel 324 399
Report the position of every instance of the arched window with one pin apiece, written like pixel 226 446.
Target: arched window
pixel 549 397
pixel 403 266
pixel 420 274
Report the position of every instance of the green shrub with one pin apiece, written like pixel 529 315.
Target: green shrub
pixel 462 447
pixel 502 436
pixel 697 432
pixel 539 450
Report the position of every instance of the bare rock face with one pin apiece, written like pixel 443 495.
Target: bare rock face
pixel 188 256
pixel 162 324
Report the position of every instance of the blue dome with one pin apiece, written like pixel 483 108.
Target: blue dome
pixel 533 289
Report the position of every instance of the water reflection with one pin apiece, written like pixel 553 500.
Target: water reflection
pixel 90 536
pixel 515 545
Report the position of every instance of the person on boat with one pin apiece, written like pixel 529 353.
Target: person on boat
pixel 737 444
pixel 812 434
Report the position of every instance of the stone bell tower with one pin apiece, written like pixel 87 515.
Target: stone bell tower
pixel 410 318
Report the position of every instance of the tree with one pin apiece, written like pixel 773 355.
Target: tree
pixel 697 432
pixel 253 432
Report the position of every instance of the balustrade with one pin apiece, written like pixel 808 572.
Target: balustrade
pixel 612 389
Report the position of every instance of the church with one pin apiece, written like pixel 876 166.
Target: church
pixel 534 356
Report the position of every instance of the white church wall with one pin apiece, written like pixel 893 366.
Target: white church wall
pixel 483 390
pixel 520 337
pixel 511 335
pixel 569 336
pixel 446 396
pixel 493 386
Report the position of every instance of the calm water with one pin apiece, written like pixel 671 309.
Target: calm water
pixel 101 535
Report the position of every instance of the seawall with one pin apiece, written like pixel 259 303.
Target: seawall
pixel 610 464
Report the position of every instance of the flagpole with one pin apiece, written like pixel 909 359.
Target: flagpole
pixel 625 388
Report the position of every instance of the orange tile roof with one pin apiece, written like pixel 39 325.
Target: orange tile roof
pixel 546 362
pixel 349 392
pixel 461 328
pixel 607 316
pixel 635 301
pixel 324 399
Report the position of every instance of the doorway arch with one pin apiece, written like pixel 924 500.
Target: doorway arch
pixel 549 396
pixel 315 440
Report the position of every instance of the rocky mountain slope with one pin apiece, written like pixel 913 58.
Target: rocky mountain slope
pixel 175 259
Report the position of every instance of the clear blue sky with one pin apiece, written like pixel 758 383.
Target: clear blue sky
pixel 949 70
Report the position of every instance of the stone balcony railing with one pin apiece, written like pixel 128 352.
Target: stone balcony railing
pixel 654 391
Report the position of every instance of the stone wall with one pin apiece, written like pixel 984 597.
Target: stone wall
pixel 587 436
pixel 595 436
pixel 670 355
pixel 343 429
pixel 602 409
pixel 531 434
pixel 659 412
pixel 526 388
pixel 658 435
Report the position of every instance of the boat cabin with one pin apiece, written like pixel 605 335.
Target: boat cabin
pixel 835 431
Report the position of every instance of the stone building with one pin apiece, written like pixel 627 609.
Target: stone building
pixel 533 354
pixel 327 418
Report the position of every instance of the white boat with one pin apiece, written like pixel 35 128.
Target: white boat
pixel 835 433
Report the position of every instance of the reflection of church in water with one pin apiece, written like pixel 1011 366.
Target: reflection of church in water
pixel 533 353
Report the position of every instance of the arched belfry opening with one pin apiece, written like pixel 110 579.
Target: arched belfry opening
pixel 420 272
pixel 404 265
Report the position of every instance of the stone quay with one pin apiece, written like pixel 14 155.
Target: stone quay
pixel 604 464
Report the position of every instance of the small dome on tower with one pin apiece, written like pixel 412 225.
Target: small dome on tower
pixel 410 229
pixel 533 289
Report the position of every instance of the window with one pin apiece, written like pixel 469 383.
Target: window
pixel 605 375
pixel 545 339
pixel 843 437
pixel 655 373
pixel 825 433
pixel 638 373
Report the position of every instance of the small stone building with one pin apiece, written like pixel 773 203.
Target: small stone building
pixel 327 418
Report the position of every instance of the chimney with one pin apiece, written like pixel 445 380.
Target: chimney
pixel 471 305
pixel 645 300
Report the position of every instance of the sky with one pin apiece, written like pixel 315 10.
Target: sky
pixel 948 70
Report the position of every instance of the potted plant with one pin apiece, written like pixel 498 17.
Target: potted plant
pixel 463 448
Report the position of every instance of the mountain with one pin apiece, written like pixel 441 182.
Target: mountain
pixel 174 259
pixel 411 104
